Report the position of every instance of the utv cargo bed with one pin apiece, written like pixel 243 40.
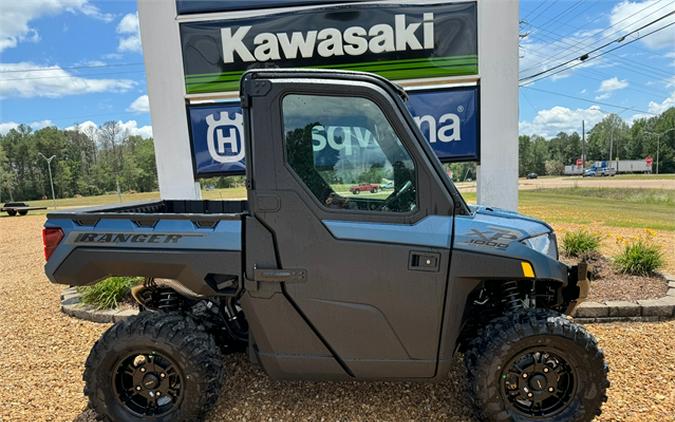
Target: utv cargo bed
pixel 187 241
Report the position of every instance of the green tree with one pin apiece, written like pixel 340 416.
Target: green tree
pixel 7 179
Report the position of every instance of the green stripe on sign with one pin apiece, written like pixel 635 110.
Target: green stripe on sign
pixel 367 68
pixel 392 69
pixel 472 57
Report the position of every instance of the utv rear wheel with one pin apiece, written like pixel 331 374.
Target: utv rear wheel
pixel 153 367
pixel 536 365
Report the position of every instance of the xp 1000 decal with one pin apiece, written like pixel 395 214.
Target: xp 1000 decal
pixel 448 118
pixel 394 40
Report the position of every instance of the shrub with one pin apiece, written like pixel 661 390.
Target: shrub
pixel 639 256
pixel 580 243
pixel 108 293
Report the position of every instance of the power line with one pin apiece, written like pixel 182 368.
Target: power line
pixel 588 101
pixel 629 65
pixel 586 56
pixel 564 12
pixel 545 9
pixel 589 41
pixel 643 90
pixel 541 3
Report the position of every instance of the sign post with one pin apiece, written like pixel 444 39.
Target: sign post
pixel 453 59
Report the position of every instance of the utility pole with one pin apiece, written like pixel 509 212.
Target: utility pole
pixel 51 180
pixel 658 144
pixel 611 143
pixel 583 145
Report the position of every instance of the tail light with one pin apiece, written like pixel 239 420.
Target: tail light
pixel 51 237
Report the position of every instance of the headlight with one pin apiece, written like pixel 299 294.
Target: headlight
pixel 544 243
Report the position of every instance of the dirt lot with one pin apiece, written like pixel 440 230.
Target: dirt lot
pixel 42 353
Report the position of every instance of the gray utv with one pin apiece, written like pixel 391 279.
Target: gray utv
pixel 316 282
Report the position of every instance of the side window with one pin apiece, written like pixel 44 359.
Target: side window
pixel 347 153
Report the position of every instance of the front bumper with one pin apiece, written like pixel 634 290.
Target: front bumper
pixel 577 287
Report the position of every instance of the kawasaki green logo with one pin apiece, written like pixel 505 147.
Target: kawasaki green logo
pixel 328 42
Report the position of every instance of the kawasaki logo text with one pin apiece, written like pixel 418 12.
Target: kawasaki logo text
pixel 328 42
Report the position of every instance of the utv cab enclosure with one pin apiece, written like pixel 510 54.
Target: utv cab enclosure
pixel 317 282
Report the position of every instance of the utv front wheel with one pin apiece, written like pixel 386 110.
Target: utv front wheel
pixel 536 365
pixel 153 367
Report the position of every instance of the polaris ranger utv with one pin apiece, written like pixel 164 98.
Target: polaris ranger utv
pixel 317 283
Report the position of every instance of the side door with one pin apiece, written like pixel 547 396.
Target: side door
pixel 339 177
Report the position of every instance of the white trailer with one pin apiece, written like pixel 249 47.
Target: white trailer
pixel 631 166
pixel 573 170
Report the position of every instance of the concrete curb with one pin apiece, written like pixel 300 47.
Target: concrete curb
pixel 644 310
pixel 71 306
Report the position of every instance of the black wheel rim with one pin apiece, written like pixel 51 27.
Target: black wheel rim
pixel 538 383
pixel 148 383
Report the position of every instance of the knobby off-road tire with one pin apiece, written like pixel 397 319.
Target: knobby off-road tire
pixel 514 361
pixel 149 353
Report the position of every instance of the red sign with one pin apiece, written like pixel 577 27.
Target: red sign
pixel 649 161
pixel 580 162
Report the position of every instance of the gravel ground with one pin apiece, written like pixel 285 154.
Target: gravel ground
pixel 42 353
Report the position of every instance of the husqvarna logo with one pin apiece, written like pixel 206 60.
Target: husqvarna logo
pixel 224 137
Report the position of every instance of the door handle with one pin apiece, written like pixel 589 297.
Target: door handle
pixel 273 275
pixel 424 261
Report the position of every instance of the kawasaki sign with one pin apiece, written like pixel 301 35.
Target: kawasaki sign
pixel 447 117
pixel 394 40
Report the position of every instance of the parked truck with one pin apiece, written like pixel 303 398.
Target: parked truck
pixel 318 286
pixel 610 168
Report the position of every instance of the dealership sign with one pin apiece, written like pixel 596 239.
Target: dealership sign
pixel 448 118
pixel 394 40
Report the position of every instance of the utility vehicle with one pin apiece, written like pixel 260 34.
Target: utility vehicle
pixel 317 285
pixel 21 208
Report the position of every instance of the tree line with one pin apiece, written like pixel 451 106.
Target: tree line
pixel 104 159
pixel 88 161
pixel 626 142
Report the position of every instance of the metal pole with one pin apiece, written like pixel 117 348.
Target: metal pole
pixel 583 147
pixel 658 148
pixel 51 179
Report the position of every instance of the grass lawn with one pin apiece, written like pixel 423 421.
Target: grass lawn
pixel 631 208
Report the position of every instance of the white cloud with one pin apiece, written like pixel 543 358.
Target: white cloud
pixel 41 124
pixel 130 127
pixel 28 80
pixel 631 15
pixel 140 105
pixel 603 96
pixel 550 122
pixel 130 39
pixel 7 126
pixel 83 127
pixel 133 129
pixel 16 15
pixel 612 84
pixel 658 108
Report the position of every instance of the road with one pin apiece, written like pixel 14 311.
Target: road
pixel 584 182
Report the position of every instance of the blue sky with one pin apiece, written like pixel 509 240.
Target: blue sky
pixel 64 62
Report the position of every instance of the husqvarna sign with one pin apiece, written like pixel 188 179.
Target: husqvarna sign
pixel 397 41
pixel 448 118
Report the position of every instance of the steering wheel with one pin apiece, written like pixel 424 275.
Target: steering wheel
pixel 395 196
